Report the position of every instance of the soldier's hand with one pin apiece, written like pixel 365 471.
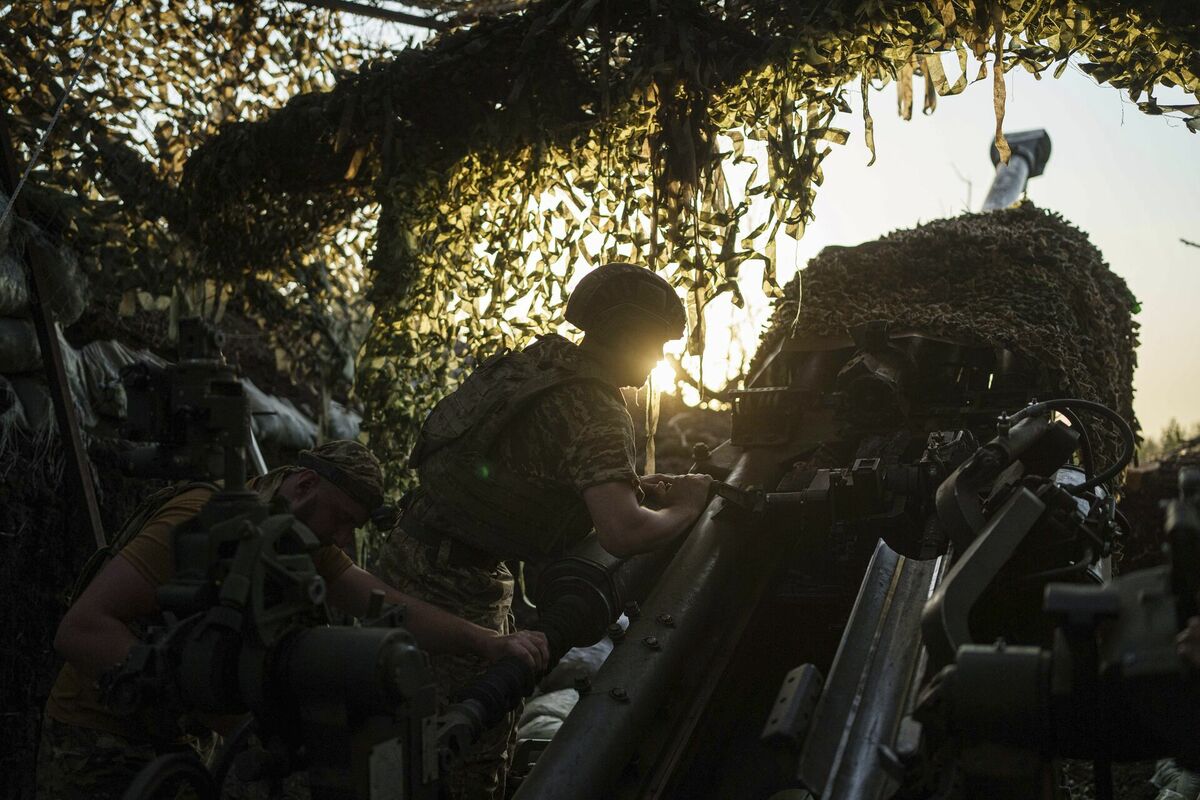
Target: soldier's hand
pixel 688 491
pixel 1188 641
pixel 529 646
pixel 655 487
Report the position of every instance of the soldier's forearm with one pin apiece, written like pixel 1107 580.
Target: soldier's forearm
pixel 435 630
pixel 652 530
pixel 93 645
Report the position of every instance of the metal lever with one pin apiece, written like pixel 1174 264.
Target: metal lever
pixel 754 500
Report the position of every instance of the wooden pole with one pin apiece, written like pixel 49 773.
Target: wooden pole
pixel 81 493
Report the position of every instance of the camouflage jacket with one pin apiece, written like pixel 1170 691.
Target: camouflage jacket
pixel 503 461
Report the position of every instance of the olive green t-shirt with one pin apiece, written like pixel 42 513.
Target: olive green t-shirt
pixel 75 698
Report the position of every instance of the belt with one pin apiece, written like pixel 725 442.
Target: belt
pixel 456 552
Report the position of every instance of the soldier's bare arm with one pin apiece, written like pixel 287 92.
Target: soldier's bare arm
pixel 626 528
pixel 94 635
pixel 434 629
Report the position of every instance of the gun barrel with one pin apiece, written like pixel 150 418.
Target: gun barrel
pixel 1030 152
pixel 702 586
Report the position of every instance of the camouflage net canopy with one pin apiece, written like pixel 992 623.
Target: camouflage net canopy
pixel 1021 278
pixel 154 81
pixel 505 154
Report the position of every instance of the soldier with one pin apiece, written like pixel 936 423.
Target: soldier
pixel 533 451
pixel 87 751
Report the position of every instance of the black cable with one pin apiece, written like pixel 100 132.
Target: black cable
pixel 1128 440
pixel 1061 572
pixel 1087 454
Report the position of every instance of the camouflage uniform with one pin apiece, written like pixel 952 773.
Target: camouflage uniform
pixel 552 443
pixel 86 750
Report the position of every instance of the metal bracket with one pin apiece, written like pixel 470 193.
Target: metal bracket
pixel 794 707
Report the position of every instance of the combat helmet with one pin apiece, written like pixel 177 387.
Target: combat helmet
pixel 622 297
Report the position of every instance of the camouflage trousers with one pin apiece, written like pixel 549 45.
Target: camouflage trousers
pixel 480 595
pixel 76 763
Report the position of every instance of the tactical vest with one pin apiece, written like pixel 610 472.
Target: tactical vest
pixel 266 485
pixel 491 506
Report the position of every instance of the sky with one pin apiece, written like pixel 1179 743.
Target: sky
pixel 1128 180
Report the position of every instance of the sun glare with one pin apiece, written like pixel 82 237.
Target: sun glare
pixel 663 377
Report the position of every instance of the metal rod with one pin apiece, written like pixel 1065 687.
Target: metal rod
pixel 255 452
pixel 79 468
pixel 376 12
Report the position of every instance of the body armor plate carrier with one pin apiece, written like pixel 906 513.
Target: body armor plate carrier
pixel 491 506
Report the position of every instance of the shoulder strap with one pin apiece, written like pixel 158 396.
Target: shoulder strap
pixel 529 392
pixel 133 525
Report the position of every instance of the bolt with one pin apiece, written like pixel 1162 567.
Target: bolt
pixel 617 693
pixel 667 620
pixel 616 632
pixel 700 452
pixel 652 643
pixel 632 609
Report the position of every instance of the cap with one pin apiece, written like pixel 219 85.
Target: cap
pixel 351 467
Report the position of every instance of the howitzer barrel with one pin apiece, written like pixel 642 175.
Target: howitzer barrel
pixel 873 680
pixel 672 637
pixel 1030 151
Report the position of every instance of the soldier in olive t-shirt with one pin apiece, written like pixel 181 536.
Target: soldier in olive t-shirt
pixel 87 751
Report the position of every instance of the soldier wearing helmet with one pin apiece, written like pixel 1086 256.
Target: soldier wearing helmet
pixel 535 450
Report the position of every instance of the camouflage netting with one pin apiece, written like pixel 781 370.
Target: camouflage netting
pixel 233 159
pixel 512 151
pixel 1021 278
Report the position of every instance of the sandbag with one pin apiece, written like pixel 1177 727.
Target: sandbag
pixel 67 286
pixel 65 283
pixel 278 423
pixel 12 413
pixel 21 361
pixel 544 715
pixel 19 350
pixel 539 728
pixel 101 363
pixel 344 423
pixel 553 704
pixel 35 401
pixel 14 289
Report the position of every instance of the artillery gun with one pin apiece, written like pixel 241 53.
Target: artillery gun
pixel 893 501
pixel 886 478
